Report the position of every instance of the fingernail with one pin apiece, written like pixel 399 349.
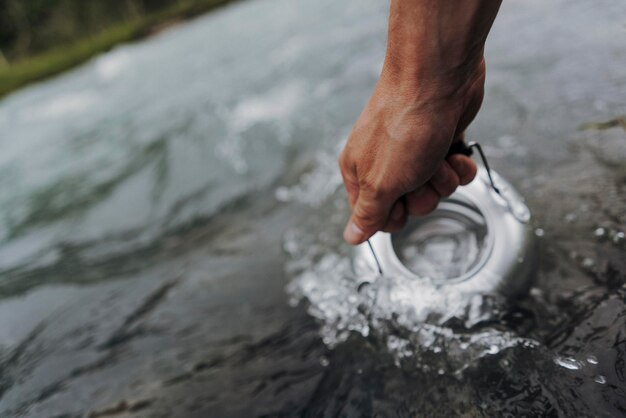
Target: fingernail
pixel 353 234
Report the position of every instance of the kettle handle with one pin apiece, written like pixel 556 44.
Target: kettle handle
pixel 461 147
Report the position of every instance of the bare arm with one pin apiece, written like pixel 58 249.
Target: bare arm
pixel 430 89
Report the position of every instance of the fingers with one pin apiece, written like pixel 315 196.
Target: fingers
pixel 397 217
pixel 374 210
pixel 422 201
pixel 459 170
pixel 369 215
pixel 445 180
pixel 464 167
pixel 349 179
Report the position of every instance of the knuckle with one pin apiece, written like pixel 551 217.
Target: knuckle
pixel 445 182
pixel 422 204
pixel 367 219
pixel 430 205
pixel 378 190
pixel 344 162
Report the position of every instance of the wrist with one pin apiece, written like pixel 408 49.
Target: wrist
pixel 425 81
pixel 437 42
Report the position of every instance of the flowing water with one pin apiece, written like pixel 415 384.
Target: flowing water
pixel 171 217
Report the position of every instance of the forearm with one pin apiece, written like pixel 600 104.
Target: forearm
pixel 437 39
pixel 431 87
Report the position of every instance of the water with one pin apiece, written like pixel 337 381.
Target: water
pixel 442 248
pixel 171 216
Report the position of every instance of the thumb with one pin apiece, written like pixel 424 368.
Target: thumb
pixel 369 216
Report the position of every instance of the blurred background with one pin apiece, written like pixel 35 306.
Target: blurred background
pixel 41 38
pixel 171 215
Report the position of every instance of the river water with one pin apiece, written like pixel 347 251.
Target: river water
pixel 171 212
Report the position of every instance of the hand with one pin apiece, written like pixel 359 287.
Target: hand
pixel 394 163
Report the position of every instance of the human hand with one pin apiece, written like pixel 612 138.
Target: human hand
pixel 394 163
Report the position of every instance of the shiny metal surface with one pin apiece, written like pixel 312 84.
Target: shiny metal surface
pixel 507 256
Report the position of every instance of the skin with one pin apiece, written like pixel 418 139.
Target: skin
pixel 431 87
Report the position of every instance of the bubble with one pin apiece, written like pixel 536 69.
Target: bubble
pixel 619 237
pixel 539 232
pixel 324 361
pixel 589 262
pixel 520 211
pixel 599 232
pixel 493 349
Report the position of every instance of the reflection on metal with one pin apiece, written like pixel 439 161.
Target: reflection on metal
pixel 476 145
pixel 517 209
pixel 380 269
pixel 479 240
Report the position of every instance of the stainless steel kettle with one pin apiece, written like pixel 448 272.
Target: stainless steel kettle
pixel 479 240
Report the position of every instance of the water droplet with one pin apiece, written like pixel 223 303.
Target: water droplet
pixel 591 359
pixel 504 363
pixel 520 211
pixel 441 372
pixel 619 237
pixel 359 371
pixel 600 379
pixel 324 361
pixel 599 232
pixel 539 232
pixel 588 262
pixel 568 363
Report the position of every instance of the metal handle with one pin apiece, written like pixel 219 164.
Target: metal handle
pixel 466 149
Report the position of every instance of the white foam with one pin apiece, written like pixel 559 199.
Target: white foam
pixel 277 103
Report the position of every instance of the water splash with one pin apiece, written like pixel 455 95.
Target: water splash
pixel 418 323
pixel 316 186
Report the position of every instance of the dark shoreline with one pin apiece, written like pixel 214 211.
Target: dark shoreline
pixel 59 59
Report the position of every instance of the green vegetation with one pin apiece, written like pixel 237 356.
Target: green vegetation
pixel 74 43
